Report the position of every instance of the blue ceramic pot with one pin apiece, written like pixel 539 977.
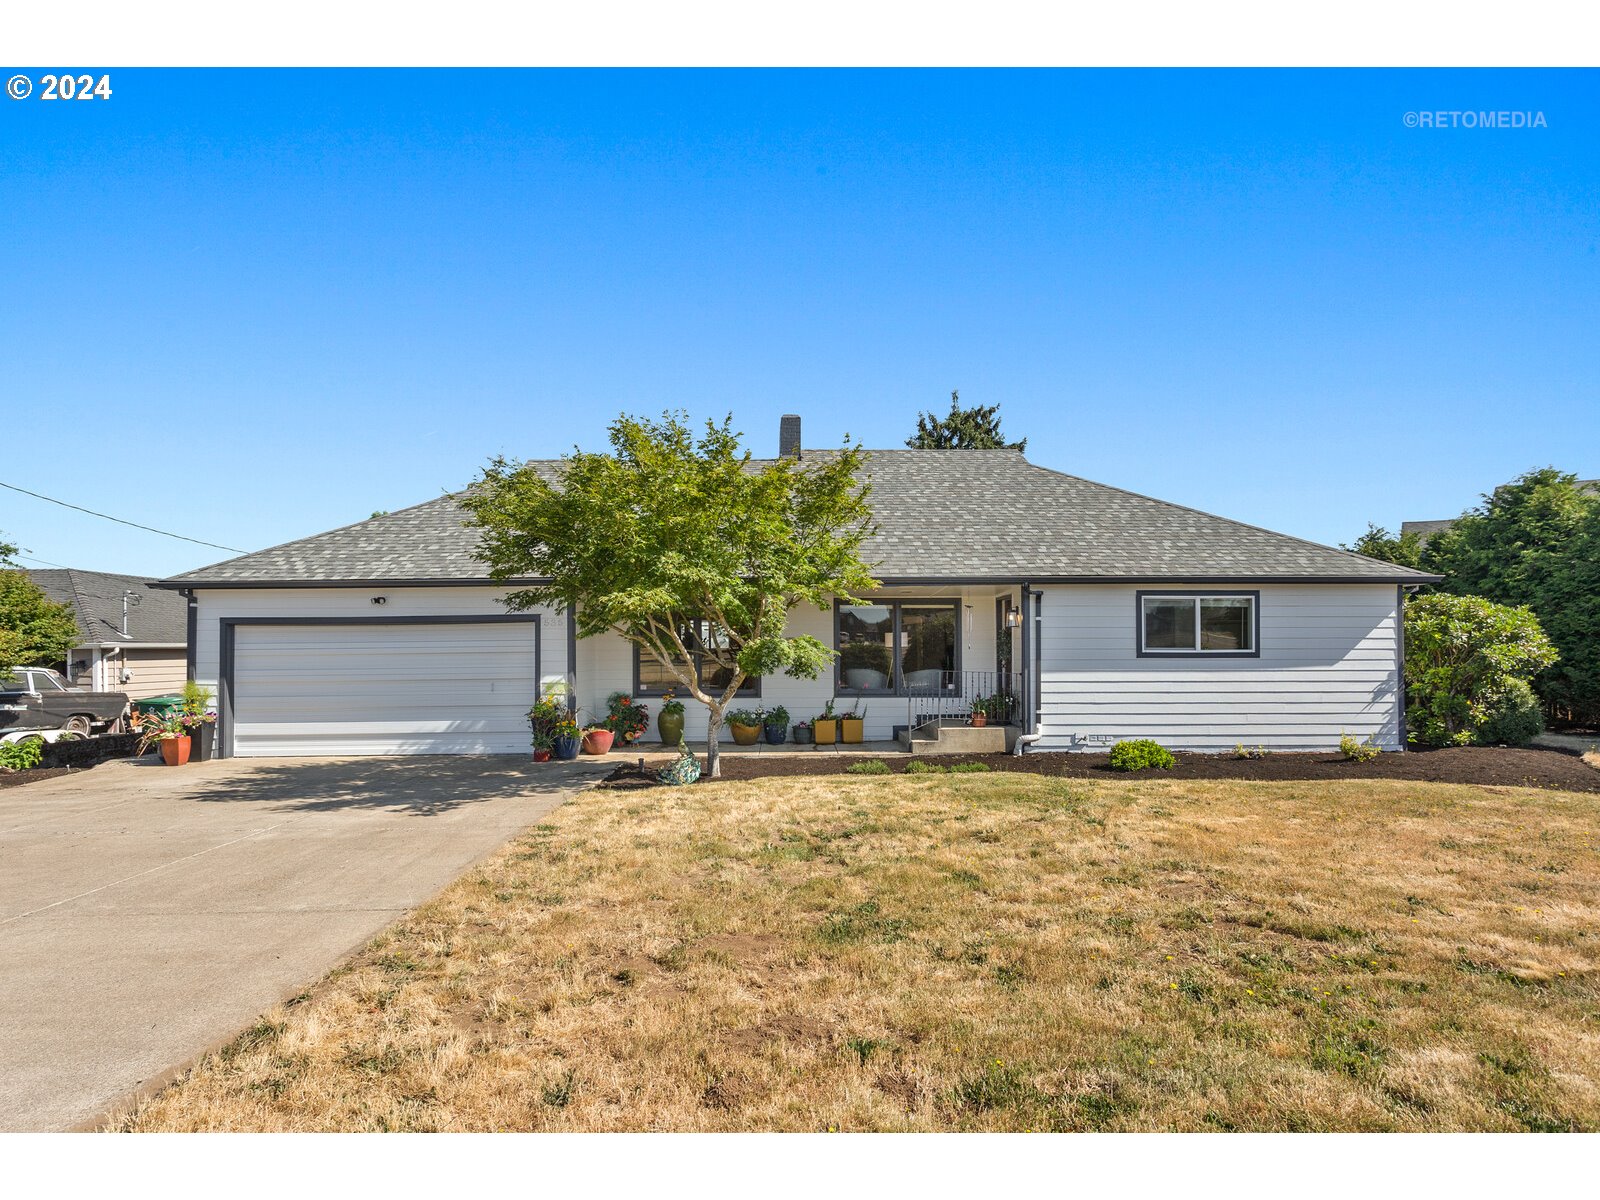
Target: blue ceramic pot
pixel 567 747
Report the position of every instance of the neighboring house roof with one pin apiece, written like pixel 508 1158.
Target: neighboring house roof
pixel 1426 529
pixel 159 619
pixel 941 515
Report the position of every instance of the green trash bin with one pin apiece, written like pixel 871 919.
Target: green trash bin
pixel 161 706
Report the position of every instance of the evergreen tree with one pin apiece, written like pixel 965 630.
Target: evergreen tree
pixel 975 428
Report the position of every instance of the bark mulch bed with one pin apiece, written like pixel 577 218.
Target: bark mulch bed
pixel 18 778
pixel 1502 766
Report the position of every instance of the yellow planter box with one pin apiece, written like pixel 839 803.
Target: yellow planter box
pixel 851 731
pixel 826 732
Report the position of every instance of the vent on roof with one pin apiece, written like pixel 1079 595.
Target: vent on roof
pixel 789 436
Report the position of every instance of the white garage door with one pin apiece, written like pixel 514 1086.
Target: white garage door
pixel 383 689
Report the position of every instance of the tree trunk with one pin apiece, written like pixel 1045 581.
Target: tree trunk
pixel 713 730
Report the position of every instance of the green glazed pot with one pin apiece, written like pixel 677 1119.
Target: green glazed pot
pixel 670 728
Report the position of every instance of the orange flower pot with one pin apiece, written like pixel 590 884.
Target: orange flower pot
pixel 598 741
pixel 174 751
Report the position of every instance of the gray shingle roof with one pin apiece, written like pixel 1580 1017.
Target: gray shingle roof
pixel 160 617
pixel 942 514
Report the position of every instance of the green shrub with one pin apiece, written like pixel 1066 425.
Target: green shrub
pixel 1468 664
pixel 1517 719
pixel 969 768
pixel 1357 751
pixel 918 767
pixel 871 766
pixel 1240 750
pixel 1141 754
pixel 21 756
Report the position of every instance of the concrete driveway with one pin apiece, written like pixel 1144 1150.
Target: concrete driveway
pixel 148 913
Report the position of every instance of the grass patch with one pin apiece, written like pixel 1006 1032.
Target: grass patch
pixel 870 766
pixel 992 953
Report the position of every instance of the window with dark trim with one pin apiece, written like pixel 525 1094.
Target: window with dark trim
pixel 651 678
pixel 891 647
pixel 1201 624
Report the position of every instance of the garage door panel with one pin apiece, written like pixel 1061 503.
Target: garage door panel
pixel 383 689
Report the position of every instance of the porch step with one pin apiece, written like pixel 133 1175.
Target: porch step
pixel 956 739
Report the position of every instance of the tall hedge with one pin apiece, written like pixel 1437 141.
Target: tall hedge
pixel 1535 542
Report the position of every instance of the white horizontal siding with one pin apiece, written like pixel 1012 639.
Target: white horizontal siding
pixel 1327 667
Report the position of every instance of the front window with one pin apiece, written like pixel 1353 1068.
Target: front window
pixel 653 678
pixel 1200 623
pixel 895 646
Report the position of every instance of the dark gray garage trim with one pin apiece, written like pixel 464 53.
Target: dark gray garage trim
pixel 227 625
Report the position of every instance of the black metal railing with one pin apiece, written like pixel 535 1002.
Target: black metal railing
pixel 959 697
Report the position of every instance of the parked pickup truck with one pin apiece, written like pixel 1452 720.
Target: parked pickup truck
pixel 36 702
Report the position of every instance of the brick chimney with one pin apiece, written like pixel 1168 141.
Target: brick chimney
pixel 789 436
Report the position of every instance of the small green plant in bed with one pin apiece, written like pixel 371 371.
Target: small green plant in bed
pixel 870 766
pixel 1240 750
pixel 1357 751
pixel 1141 755
pixel 21 756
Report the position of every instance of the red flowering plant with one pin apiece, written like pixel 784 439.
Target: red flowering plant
pixel 625 718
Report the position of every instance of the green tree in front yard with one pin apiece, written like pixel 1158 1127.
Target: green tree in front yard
pixel 1468 662
pixel 669 529
pixel 34 629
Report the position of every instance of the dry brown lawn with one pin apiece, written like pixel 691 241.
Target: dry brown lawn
pixel 969 952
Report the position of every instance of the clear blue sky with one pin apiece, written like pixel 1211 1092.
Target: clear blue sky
pixel 249 307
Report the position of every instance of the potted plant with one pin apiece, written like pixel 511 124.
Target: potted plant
pixel 826 727
pixel 669 721
pixel 546 713
pixel 802 733
pixel 597 739
pixel 776 726
pixel 852 726
pixel 746 725
pixel 626 718
pixel 200 720
pixel 980 712
pixel 566 738
pixel 168 733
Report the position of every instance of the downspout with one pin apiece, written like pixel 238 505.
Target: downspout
pixel 1030 657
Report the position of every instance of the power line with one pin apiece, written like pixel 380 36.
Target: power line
pixel 120 521
pixel 45 561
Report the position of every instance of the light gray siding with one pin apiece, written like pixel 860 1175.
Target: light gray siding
pixel 350 690
pixel 1327 666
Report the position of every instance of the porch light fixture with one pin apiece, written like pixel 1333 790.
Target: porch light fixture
pixel 1013 618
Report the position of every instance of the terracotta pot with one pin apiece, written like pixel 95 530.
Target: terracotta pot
pixel 979 720
pixel 670 726
pixel 541 756
pixel 746 735
pixel 852 731
pixel 598 741
pixel 825 732
pixel 175 751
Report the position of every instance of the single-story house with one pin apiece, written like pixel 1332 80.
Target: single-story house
pixel 1093 614
pixel 133 636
